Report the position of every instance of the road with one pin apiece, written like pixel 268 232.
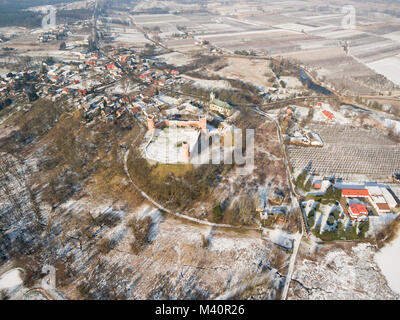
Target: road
pixel 296 200
pixel 292 264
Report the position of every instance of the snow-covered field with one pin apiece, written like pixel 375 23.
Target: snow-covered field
pixel 338 272
pixel 166 147
pixel 280 237
pixel 129 35
pixel 395 36
pixel 388 260
pixel 175 58
pixel 292 82
pixel 389 67
pixel 11 279
pixel 210 84
pixel 295 27
pixel 338 116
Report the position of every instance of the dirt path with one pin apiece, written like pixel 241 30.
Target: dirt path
pixel 177 214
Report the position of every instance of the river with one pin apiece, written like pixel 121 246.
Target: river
pixel 305 79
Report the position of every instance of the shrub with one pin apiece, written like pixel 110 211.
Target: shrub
pixel 311 218
pixel 301 178
pixel 204 241
pixel 140 229
pixel 331 220
pixel 104 246
pixel 308 185
pixel 363 228
pixel 217 213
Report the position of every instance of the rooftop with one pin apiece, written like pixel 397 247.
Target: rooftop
pixel 221 104
pixel 358 209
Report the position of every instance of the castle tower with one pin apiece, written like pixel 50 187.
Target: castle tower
pixel 150 123
pixel 203 123
pixel 185 152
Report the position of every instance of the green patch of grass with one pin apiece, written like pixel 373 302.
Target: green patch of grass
pixel 161 171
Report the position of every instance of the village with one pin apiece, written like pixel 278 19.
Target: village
pixel 118 164
pixel 118 84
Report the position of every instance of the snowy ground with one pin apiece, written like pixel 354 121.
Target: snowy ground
pixel 388 260
pixel 166 146
pixel 127 35
pixel 175 58
pixel 389 67
pixel 338 116
pixel 280 237
pixel 11 280
pixel 292 82
pixel 338 272
pixel 175 263
pixel 210 84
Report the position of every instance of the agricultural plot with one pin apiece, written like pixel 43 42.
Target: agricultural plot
pixel 175 58
pixel 129 35
pixel 349 152
pixel 255 71
pixel 390 67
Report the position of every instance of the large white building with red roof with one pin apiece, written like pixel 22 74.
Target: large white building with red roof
pixel 379 196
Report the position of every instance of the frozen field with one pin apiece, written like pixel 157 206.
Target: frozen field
pixel 388 260
pixel 11 280
pixel 175 58
pixel 254 71
pixel 389 67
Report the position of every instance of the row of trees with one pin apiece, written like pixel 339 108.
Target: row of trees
pixel 341 232
pixel 351 232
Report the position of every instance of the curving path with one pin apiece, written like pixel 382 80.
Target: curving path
pixel 177 214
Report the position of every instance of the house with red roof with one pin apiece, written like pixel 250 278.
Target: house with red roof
pixel 379 197
pixel 328 115
pixel 358 211
pixel 111 66
pixel 317 185
pixel 355 193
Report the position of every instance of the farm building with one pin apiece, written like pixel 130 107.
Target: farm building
pixel 381 199
pixel 358 211
pixel 328 115
pixel 317 184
